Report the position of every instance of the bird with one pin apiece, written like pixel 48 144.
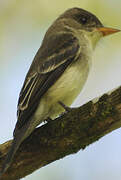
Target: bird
pixel 58 72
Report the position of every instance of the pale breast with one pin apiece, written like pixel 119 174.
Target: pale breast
pixel 68 86
pixel 71 82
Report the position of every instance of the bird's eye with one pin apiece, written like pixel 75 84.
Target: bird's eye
pixel 84 20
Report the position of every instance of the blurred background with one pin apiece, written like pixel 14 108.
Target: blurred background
pixel 22 27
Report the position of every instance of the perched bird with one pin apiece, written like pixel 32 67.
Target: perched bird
pixel 58 72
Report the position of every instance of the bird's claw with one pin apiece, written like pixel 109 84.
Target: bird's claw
pixel 67 109
pixel 48 120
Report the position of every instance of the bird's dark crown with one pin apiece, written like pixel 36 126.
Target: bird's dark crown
pixel 85 18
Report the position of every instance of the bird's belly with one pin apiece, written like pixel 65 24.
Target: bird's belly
pixel 66 88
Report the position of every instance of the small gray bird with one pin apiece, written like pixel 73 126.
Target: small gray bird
pixel 58 72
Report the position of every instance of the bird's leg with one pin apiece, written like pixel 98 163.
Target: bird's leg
pixel 48 120
pixel 67 109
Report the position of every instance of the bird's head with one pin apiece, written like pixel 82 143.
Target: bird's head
pixel 87 22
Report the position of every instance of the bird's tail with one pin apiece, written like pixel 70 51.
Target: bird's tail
pixel 10 155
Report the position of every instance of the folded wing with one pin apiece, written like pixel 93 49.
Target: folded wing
pixel 50 62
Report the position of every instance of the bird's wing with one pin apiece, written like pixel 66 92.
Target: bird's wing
pixel 49 63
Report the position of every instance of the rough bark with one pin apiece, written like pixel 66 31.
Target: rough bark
pixel 65 135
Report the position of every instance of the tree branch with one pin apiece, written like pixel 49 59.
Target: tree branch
pixel 65 135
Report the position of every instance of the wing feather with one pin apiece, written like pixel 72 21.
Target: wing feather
pixel 47 67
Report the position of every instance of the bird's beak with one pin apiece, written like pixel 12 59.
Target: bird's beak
pixel 107 31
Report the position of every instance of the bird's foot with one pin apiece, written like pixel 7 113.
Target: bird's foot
pixel 48 120
pixel 67 109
